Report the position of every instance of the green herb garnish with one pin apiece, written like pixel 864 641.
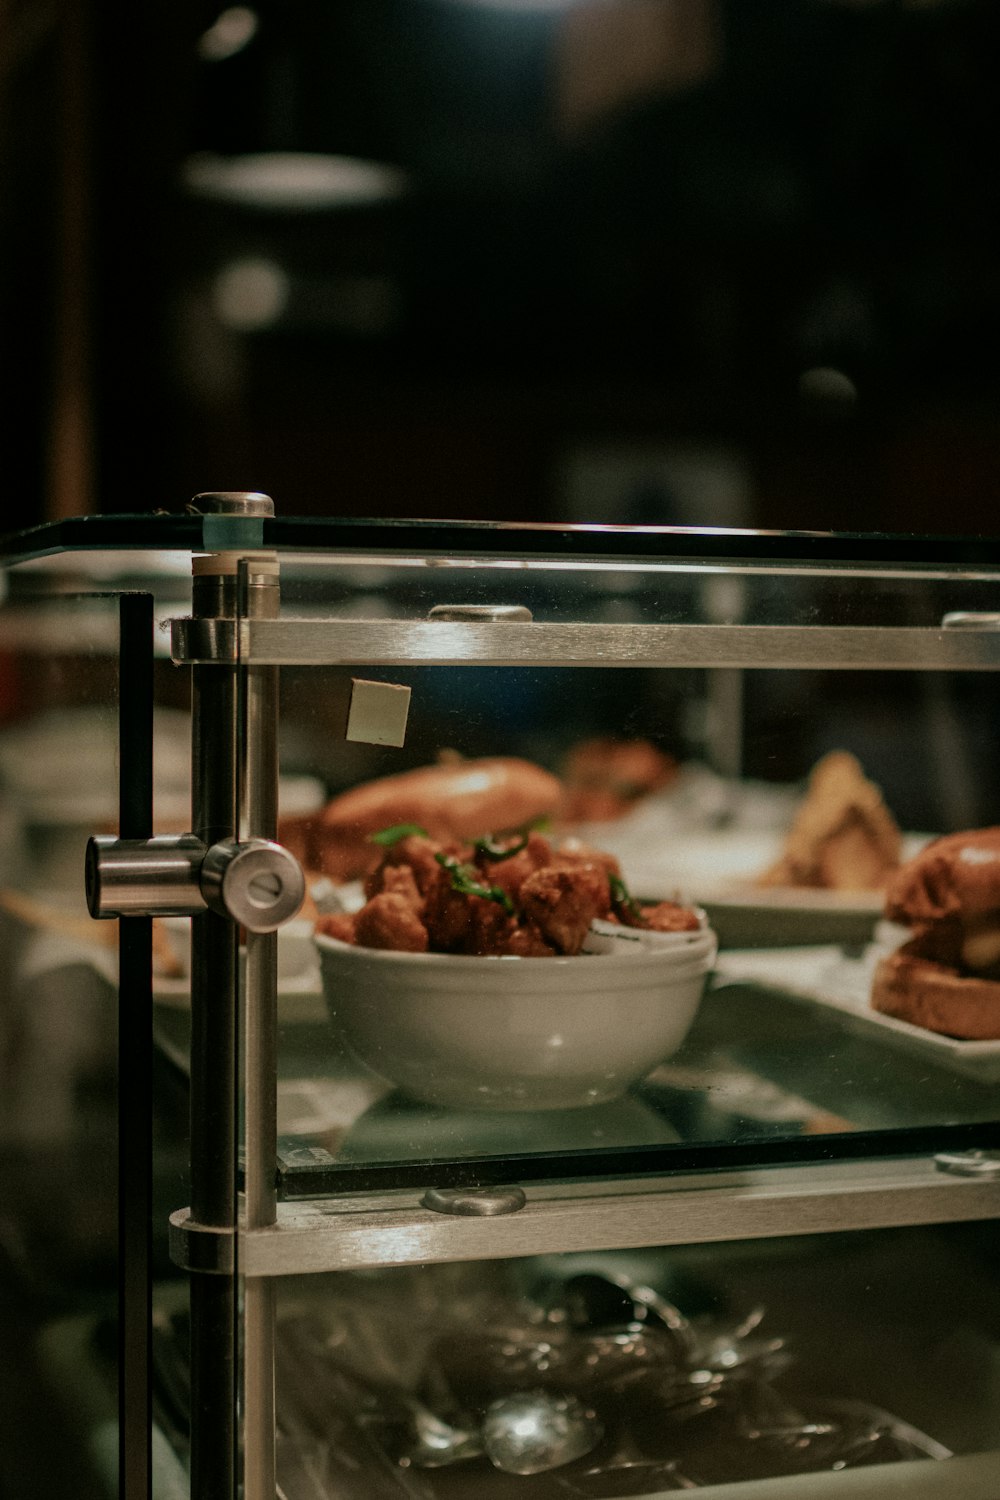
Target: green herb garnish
pixel 463 880
pixel 395 835
pixel 623 902
pixel 488 848
pixel 491 846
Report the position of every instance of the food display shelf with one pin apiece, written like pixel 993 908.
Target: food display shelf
pixel 881 1141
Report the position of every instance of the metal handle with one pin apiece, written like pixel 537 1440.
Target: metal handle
pixel 256 882
pixel 156 877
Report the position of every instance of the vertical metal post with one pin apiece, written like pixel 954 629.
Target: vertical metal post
pixel 216 729
pixel 135 1006
pixel 259 595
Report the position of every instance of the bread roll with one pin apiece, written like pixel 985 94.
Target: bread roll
pixel 958 875
pixel 455 800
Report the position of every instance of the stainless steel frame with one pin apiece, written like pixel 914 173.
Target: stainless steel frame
pixel 258 594
pixel 330 642
pixel 391 1229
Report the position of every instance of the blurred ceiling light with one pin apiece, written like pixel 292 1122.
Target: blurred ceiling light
pixel 250 294
pixel 292 180
pixel 228 34
pixel 825 384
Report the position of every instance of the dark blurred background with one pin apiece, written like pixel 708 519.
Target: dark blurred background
pixel 704 261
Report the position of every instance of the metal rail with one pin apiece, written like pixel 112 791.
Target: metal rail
pixel 352 1233
pixel 331 642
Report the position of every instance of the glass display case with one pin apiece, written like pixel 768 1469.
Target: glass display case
pixel 540 1055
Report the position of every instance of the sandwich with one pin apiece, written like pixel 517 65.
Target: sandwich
pixel 946 978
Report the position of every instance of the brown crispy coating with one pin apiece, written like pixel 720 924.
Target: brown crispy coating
pixel 338 924
pixel 400 880
pixel 563 902
pixel 510 874
pixel 667 916
pixel 550 897
pixel 446 915
pixel 488 927
pixel 388 920
pixel 573 852
pixel 415 854
pixel 525 941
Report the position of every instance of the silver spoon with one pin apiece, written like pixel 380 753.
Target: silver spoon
pixel 596 1298
pixel 438 1443
pixel 530 1432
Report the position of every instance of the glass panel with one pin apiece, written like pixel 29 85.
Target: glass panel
pixel 784 1051
pixel 663 586
pixel 59 1230
pixel 653 1371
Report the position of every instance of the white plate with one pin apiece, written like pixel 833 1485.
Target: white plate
pixel 300 999
pixel 722 864
pixel 823 976
pixel 716 868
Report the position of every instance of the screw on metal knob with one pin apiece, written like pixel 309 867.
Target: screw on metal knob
pixel 257 883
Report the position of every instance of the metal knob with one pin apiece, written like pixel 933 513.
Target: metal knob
pixel 257 883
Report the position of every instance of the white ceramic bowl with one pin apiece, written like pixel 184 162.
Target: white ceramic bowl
pixel 512 1033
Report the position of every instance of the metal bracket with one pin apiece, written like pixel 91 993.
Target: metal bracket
pixel 969 1163
pixel 479 1203
pixel 212 642
pixel 479 612
pixel 257 882
pixel 205 1248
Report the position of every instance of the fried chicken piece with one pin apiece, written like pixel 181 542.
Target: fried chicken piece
pixel 388 920
pixel 525 941
pixel 510 874
pixel 339 925
pixel 488 927
pixel 562 902
pixel 400 880
pixel 668 916
pixel 446 914
pixel 414 853
pixel 574 852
